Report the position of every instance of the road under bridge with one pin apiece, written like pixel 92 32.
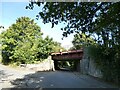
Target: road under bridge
pixel 72 56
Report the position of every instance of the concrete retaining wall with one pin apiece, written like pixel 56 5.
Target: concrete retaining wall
pixel 88 66
pixel 46 65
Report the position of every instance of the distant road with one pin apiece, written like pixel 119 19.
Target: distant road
pixel 58 79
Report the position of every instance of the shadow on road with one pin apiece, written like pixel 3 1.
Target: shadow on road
pixel 34 80
pixel 57 79
pixel 4 75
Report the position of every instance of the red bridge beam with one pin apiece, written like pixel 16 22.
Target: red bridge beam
pixel 69 55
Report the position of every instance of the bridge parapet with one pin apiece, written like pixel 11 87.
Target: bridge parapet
pixel 69 55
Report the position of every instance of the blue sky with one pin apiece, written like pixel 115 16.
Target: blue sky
pixel 10 11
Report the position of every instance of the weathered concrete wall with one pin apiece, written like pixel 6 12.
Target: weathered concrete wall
pixel 88 66
pixel 46 65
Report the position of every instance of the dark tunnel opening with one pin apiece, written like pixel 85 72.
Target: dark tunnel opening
pixel 71 65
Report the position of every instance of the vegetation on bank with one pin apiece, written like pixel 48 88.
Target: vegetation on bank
pixel 97 27
pixel 100 20
pixel 106 55
pixel 23 43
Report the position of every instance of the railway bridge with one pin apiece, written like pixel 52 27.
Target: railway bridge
pixel 72 56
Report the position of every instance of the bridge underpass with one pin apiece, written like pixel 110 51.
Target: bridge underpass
pixel 72 57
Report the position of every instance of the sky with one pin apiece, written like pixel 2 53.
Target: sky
pixel 10 11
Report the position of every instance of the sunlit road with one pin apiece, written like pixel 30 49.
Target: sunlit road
pixel 57 79
pixel 8 74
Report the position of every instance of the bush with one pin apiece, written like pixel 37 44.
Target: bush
pixel 107 60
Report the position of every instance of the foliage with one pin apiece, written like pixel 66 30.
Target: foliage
pixel 55 46
pixel 79 16
pixel 23 43
pixel 100 18
pixel 94 18
pixel 19 40
pixel 81 40
pixel 107 60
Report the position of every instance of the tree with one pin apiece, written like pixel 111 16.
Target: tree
pixel 23 43
pixel 20 41
pixel 87 17
pixel 53 46
pixel 81 40
pixel 94 18
pixel 1 27
pixel 79 16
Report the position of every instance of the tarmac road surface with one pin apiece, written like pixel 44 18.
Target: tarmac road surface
pixel 58 79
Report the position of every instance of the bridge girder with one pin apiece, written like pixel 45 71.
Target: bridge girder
pixel 70 55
